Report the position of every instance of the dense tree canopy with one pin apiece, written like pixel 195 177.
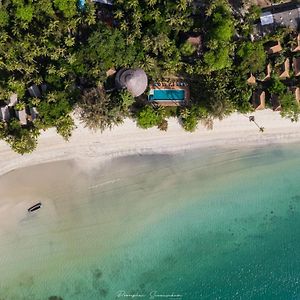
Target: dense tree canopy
pixel 68 51
pixel 252 57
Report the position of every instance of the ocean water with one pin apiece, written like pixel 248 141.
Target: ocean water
pixel 207 224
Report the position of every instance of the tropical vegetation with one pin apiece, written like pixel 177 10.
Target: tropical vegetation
pixel 67 50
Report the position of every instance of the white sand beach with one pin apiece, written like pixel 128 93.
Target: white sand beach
pixel 88 147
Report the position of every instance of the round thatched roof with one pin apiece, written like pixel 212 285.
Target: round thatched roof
pixel 134 80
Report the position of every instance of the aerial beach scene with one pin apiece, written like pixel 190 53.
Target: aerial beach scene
pixel 149 149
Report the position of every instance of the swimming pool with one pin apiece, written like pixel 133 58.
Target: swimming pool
pixel 167 95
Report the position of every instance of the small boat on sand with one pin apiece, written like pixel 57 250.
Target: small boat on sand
pixel 35 207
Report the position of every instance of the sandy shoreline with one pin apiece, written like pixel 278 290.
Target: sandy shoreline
pixel 89 147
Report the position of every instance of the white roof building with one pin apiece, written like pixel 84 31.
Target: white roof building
pixel 22 116
pixel 266 18
pixel 13 99
pixel 5 113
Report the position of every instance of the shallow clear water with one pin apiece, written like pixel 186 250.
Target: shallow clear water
pixel 201 225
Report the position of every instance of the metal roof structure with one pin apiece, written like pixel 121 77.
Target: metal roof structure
pixel 266 18
pixel 108 2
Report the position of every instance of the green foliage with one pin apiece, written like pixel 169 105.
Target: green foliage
pixel 20 106
pixel 220 32
pixel 17 87
pixel 189 119
pixel 289 106
pixel 53 108
pixel 149 117
pixel 67 7
pixel 221 25
pixel 25 13
pixel 254 12
pixel 187 49
pixel 217 59
pixel 252 57
pixel 126 99
pixel 69 50
pixel 65 126
pixel 4 18
pixel 276 86
pixel 20 139
pixel 97 110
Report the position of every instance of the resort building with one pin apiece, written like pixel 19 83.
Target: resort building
pixel 296 46
pixel 251 80
pixel 296 92
pixel 4 113
pixel 22 116
pixel 13 99
pixel 172 93
pixel 134 80
pixel 259 100
pixel 34 91
pixel 274 47
pixel 296 66
pixel 285 68
pixel 33 113
pixel 269 70
pixel 276 106
pixel 281 15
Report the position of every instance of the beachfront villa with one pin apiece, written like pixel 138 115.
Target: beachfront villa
pixel 174 93
pixel 134 80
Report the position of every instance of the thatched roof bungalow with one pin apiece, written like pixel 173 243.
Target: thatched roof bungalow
pixel 134 80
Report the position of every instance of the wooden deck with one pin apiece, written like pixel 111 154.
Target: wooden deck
pixel 171 86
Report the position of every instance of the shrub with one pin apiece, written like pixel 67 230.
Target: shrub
pixel 149 117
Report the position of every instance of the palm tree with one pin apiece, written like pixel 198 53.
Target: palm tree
pixel 97 110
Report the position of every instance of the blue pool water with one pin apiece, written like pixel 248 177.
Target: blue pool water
pixel 167 95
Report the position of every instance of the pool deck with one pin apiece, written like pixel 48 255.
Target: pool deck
pixel 171 86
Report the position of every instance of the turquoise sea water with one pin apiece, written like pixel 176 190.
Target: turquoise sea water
pixel 200 225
